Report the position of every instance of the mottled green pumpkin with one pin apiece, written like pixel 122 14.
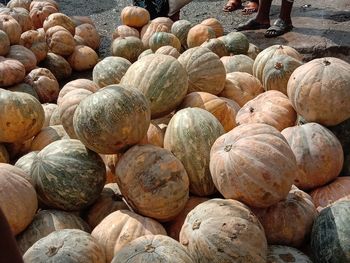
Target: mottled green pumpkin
pixel 58 65
pixel 180 29
pixel 236 43
pixel 161 79
pixel 330 234
pixel 26 88
pixel 112 119
pixel 241 63
pixel 217 46
pixel 192 131
pixel 67 175
pixel 127 47
pixel 26 161
pixel 110 71
pixel 160 39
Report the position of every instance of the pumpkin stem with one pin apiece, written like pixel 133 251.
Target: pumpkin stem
pixel 53 250
pixel 196 225
pixel 228 148
pixel 149 248
pixel 326 62
pixel 278 65
pixel 251 109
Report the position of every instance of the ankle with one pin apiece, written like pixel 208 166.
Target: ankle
pixel 287 20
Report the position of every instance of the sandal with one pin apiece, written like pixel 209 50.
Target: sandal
pixel 252 24
pixel 278 28
pixel 250 7
pixel 232 5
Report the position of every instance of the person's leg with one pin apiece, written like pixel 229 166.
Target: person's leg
pixel 262 18
pixel 232 5
pixel 251 7
pixel 284 23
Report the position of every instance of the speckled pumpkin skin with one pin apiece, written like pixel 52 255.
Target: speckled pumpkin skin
pixel 180 29
pixel 26 161
pixel 67 175
pixel 284 254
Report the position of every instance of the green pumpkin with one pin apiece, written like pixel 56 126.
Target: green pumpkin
pixel 67 175
pixel 160 39
pixel 127 47
pixel 236 43
pixel 180 29
pixel 26 161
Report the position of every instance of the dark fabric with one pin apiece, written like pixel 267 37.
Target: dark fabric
pixel 156 8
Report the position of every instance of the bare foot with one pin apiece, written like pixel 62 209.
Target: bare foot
pixel 232 5
pixel 250 7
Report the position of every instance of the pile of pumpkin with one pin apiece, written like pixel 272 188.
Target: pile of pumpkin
pixel 186 146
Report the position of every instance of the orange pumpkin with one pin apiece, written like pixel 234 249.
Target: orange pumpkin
pixel 36 42
pixel 154 136
pixel 89 35
pixel 83 58
pixel 149 29
pixel 163 21
pixel 23 55
pixel 51 2
pixel 134 16
pixel 60 41
pixel 11 27
pixel 111 161
pixel 11 72
pixel 19 3
pixel 39 11
pixel 77 84
pixel 59 19
pixel 215 25
pixel 198 34
pixel 21 15
pixel 125 31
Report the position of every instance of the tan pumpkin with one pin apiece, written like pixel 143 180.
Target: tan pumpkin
pixel 134 16
pixel 48 109
pixel 19 3
pixel 4 43
pixel 271 107
pixel 232 104
pixel 164 21
pixel 154 136
pixel 205 70
pixel 39 11
pixel 60 41
pixel 77 84
pixel 283 229
pixel 125 31
pixel 145 53
pixel 241 63
pixel 253 51
pixel 79 20
pixel 59 19
pixel 149 29
pixel 215 25
pixel 225 231
pixel 36 42
pixel 168 50
pixel 11 72
pixel 14 170
pixel 48 135
pixel 198 34
pixel 55 117
pixel 216 46
pixel 4 155
pixel 241 87
pixel 174 226
pixel 58 66
pixel 44 83
pixel 121 227
pixel 21 15
pixel 83 58
pixel 17 196
pixel 23 55
pixel 214 105
pixel 254 164
pixel 11 27
pixel 89 35
pixel 22 116
pixel 319 91
pixel 51 2
pixel 318 152
pixel 110 200
pixel 332 192
pixel 129 48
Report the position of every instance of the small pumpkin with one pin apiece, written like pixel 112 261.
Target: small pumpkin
pixel 23 55
pixel 36 42
pixel 83 58
pixel 129 48
pixel 60 41
pixel 58 66
pixel 150 29
pixel 11 72
pixel 39 11
pixel 11 27
pixel 154 136
pixel 89 35
pixel 134 16
pixel 198 34
pixel 125 31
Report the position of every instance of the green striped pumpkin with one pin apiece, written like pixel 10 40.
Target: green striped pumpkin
pixel 180 29
pixel 160 39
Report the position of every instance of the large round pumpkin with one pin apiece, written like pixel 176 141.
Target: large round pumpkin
pixel 60 41
pixel 64 245
pixel 271 107
pixel 67 175
pixel 222 230
pixel 134 16
pixel 215 25
pixel 11 72
pixel 48 135
pixel 284 254
pixel 83 58
pixel 36 42
pixel 121 227
pixel 161 79
pixel 39 11
pixel 318 153
pixel 194 130
pixel 22 116
pixel 319 91
pixel 205 70
pixel 253 163
pixel 58 66
pixel 46 222
pixel 17 197
pixel 127 47
pixel 4 43
pixel 153 248
pixel 112 119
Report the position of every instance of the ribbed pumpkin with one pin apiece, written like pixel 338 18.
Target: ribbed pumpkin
pixel 216 46
pixel 21 15
pixel 121 227
pixel 225 231
pixel 60 41
pixel 19 3
pixel 241 63
pixel 48 135
pixel 174 226
pixel 4 43
pixel 215 25
pixel 26 161
pixel 194 130
pixel 77 84
pixel 127 47
pixel 88 33
pixel 11 72
pixel 44 83
pixel 110 70
pixel 51 2
pixel 48 109
pixel 17 197
pixel 154 173
pixel 241 87
pixel 125 31
pixel 58 66
pixel 328 79
pixel 318 153
pixel 110 200
pixel 236 43
pixel 59 19
pixel 277 72
pixel 4 155
pixel 216 106
pixel 163 20
pixel 36 42
pixel 284 254
pixel 161 79
pixel 23 55
pixel 283 229
pixel 145 53
pixel 67 107
pixel 65 244
pixel 83 58
pixel 160 39
pixel 153 248
pixel 67 175
pixel 154 136
pixel 180 29
pixel 328 194
pixel 150 29
pixel 11 27
pixel 168 50
pixel 44 223
pixel 198 34
pixel 254 164
pixel 112 119
pixel 134 16
pixel 265 55
pixel 330 234
pixel 271 107
pixel 39 11
pixel 205 70
pixel 22 116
